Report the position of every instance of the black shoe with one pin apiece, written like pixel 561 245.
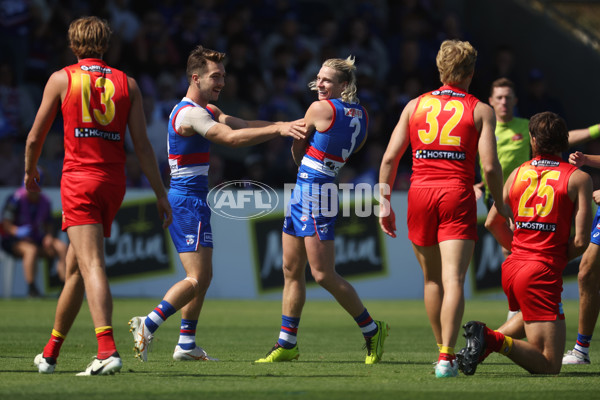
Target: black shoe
pixel 33 291
pixel 470 356
pixel 460 355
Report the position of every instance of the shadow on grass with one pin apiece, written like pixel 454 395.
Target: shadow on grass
pixel 240 376
pixel 525 374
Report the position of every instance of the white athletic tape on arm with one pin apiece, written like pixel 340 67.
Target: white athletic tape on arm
pixel 198 118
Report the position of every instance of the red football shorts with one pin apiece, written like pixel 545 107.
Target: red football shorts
pixel 441 213
pixel 90 201
pixel 533 287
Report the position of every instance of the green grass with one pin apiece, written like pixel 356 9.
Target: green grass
pixel 331 364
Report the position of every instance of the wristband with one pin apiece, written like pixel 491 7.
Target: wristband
pixel 594 131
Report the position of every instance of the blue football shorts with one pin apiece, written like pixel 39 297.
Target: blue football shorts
pixel 191 223
pixel 313 208
pixel 596 228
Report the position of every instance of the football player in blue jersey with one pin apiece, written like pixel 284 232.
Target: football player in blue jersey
pixel 193 124
pixel 337 127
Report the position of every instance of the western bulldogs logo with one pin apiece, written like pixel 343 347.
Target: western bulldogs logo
pixel 190 240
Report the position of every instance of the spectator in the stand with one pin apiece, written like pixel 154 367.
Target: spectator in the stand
pixel 167 94
pixel 241 65
pixel 12 162
pixel 288 35
pixel 189 31
pixel 366 46
pixel 123 21
pixel 410 62
pixel 17 109
pixel 537 98
pixel 280 106
pixel 15 29
pixel 401 37
pixel 504 66
pixel 154 49
pixel 27 233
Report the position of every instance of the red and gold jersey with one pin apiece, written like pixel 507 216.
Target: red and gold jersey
pixel 542 209
pixel 95 112
pixel 444 138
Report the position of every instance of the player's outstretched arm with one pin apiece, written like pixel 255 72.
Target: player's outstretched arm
pixel 197 121
pixel 579 136
pixel 579 159
pixel 223 134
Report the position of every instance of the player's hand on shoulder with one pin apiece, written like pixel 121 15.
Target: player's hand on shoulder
pixel 596 196
pixel 294 129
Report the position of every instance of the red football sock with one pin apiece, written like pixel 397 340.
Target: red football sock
pixel 446 357
pixel 494 339
pixel 52 348
pixel 106 342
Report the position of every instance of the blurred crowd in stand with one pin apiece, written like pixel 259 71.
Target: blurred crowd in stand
pixel 274 48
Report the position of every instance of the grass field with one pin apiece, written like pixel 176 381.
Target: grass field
pixel 331 364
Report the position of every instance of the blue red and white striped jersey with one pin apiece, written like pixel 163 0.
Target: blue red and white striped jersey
pixel 328 151
pixel 188 155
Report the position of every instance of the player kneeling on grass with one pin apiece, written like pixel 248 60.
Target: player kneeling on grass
pixel 545 194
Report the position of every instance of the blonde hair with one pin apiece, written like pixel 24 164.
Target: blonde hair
pixel 89 37
pixel 345 73
pixel 455 61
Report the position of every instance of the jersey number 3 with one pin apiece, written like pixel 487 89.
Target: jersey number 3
pixel 107 90
pixel 354 123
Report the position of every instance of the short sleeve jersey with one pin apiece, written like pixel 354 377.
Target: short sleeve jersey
pixel 444 138
pixel 542 210
pixel 95 110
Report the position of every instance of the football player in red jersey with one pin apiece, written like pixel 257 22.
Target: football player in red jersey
pixel 98 102
pixel 545 194
pixel 445 128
